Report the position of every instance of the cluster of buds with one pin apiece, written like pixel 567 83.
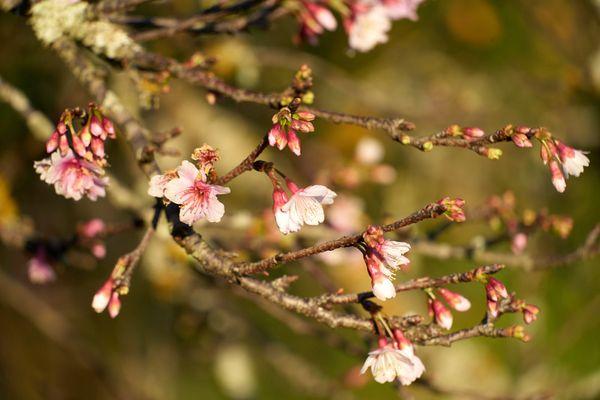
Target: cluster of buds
pixel 77 154
pixel 304 206
pixel 520 135
pixel 286 125
pixel 107 297
pixel 383 259
pixel 494 291
pixel 439 312
pixel 530 312
pixel 190 187
pixel 314 18
pixel 454 209
pixel 394 359
pixel 87 141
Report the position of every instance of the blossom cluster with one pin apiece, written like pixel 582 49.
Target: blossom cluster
pixel 77 154
pixel 383 258
pixel 189 186
pixel 366 22
pixel 286 125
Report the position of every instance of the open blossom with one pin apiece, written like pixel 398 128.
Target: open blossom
pixel 573 161
pixel 415 368
pixel 388 363
pixel 196 197
pixel 400 9
pixel 304 206
pixel 368 26
pixel 73 177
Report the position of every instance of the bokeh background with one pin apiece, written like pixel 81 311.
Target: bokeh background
pixel 479 63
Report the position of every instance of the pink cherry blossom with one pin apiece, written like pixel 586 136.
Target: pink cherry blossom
pixel 158 184
pixel 196 197
pixel 103 296
pixel 400 9
pixel 72 177
pixel 573 161
pixel 368 26
pixel 413 370
pixel 282 218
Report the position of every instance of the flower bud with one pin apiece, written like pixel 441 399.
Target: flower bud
pixel 530 313
pixel 114 306
pixel 96 127
pixel 472 132
pixel 558 178
pixel 521 140
pixel 492 308
pixel 52 143
pixel 455 300
pixel 103 296
pixel 443 316
pixel 498 287
pixel 493 153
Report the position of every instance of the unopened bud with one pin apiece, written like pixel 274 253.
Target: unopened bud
pixel 427 146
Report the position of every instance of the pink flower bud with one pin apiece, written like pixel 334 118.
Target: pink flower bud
pixel 472 132
pixel 61 128
pixel 558 178
pixel 39 270
pixel 78 146
pixel 96 127
pixel 63 145
pixel 306 116
pixel 498 287
pixel 277 136
pixel 324 17
pixel 530 313
pixel 52 143
pixel 492 307
pixel 521 140
pixel 443 316
pixel 86 136
pixel 114 306
pixel 98 147
pixel 103 296
pixel 491 293
pixel 455 300
pixel 291 185
pixel 108 127
pixel 294 142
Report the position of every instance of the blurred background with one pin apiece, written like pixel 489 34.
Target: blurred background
pixel 482 63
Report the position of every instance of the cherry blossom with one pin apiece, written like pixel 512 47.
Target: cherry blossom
pixel 573 161
pixel 73 177
pixel 388 363
pixel 368 26
pixel 196 197
pixel 304 206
